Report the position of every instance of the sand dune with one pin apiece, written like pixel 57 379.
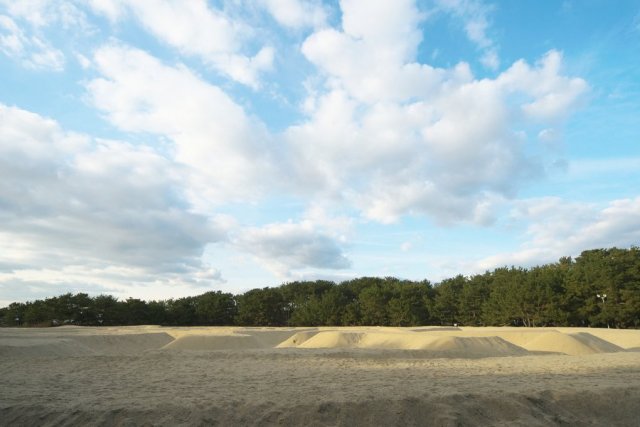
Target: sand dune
pixel 333 339
pixel 82 345
pixel 623 338
pixel 440 342
pixel 441 346
pixel 570 344
pixel 356 376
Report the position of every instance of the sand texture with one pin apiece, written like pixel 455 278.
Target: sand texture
pixel 365 376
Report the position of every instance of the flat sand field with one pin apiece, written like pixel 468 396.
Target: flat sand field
pixel 365 376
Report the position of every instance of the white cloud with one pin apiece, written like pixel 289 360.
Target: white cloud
pixel 37 12
pixel 30 50
pixel 490 59
pixel 75 208
pixel 229 155
pixel 474 15
pixel 112 9
pixel 373 51
pixel 283 247
pixel 297 14
pixel 40 14
pixel 554 95
pixel 558 228
pixel 26 31
pixel 196 29
pixel 393 137
pixel 226 156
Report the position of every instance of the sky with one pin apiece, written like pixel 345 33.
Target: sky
pixel 157 149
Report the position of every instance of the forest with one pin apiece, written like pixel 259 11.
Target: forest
pixel 599 288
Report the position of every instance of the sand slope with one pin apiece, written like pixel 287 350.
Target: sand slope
pixel 623 338
pixel 571 344
pixel 297 339
pixel 82 345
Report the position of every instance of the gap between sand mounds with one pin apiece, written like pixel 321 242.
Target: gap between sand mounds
pixel 124 344
pixel 270 338
pixel 435 329
pixel 297 339
pixel 239 339
pixel 214 342
pixel 83 345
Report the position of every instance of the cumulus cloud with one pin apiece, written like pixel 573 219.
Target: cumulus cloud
pixel 197 29
pixel 73 206
pixel 297 14
pixel 554 95
pixel 43 13
pixel 27 30
pixel 31 51
pixel 283 247
pixel 474 15
pixel 556 228
pixel 393 137
pixel 228 153
pixel 37 12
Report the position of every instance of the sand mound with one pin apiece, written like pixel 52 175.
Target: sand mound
pixel 445 346
pixel 475 346
pixel 214 342
pixel 571 344
pixel 597 344
pixel 623 338
pixel 296 339
pixel 82 345
pixel 333 339
pixel 436 344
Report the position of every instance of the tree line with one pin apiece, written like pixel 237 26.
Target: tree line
pixel 599 288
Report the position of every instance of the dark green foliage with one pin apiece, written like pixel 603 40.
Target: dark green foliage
pixel 559 294
pixel 266 307
pixel 408 305
pixel 215 308
pixel 448 300
pixel 475 291
pixel 181 312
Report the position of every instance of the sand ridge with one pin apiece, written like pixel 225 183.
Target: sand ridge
pixel 441 342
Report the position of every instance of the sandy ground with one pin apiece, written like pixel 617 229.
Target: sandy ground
pixel 149 375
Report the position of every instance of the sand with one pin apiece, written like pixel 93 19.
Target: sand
pixel 319 376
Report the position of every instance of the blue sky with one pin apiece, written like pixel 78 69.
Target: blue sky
pixel 164 148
